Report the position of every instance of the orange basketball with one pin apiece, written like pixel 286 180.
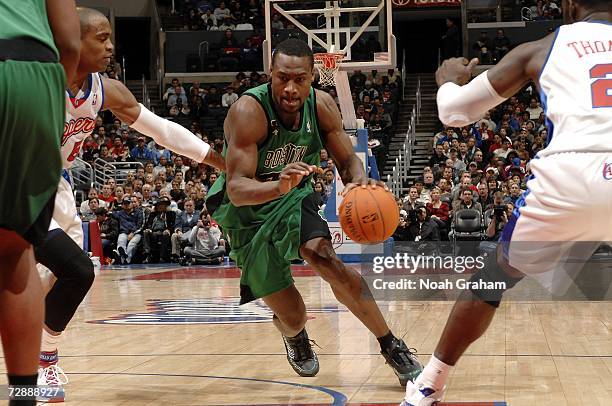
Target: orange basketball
pixel 369 216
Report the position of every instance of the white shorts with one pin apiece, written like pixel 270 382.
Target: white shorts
pixel 65 214
pixel 562 218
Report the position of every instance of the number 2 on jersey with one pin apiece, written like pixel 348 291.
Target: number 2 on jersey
pixel 602 85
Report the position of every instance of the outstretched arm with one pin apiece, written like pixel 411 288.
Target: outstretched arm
pixel 460 104
pixel 173 136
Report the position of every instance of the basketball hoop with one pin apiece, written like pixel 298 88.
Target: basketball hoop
pixel 328 64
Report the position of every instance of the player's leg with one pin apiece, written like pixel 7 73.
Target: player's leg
pixel 537 241
pixel 26 202
pixel 21 309
pixel 74 274
pixel 350 290
pixel 290 319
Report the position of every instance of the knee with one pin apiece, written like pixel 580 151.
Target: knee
pixel 83 270
pixel 295 320
pixel 320 254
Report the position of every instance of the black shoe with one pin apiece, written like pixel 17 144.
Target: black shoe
pixel 403 360
pixel 300 355
pixel 123 255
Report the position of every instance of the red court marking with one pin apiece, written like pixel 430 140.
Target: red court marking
pixel 213 273
pixel 298 271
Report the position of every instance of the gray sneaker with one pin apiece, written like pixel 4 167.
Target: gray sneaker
pixel 300 355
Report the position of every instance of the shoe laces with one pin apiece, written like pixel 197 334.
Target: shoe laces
pixel 402 354
pixel 301 347
pixel 54 375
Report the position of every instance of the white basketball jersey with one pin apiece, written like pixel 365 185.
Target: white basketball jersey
pixel 81 113
pixel 576 89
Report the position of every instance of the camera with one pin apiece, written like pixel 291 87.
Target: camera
pixel 498 212
pixel 206 223
pixel 413 216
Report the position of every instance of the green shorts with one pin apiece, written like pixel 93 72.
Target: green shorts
pixel 32 115
pixel 269 271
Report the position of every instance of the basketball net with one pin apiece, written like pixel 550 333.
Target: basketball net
pixel 328 64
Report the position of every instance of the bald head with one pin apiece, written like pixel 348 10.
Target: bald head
pixel 88 18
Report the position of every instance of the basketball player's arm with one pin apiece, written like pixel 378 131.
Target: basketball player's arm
pixel 460 104
pixel 245 127
pixel 64 23
pixel 119 100
pixel 339 145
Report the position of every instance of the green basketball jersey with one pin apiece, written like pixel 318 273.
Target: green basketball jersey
pixel 26 18
pixel 281 147
pixel 266 237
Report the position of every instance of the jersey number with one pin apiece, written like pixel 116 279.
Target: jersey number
pixel 75 151
pixel 601 86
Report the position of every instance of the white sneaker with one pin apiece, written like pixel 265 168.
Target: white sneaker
pixel 419 395
pixel 54 378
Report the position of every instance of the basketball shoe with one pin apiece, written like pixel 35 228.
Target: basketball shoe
pixel 52 376
pixel 300 354
pixel 403 360
pixel 418 394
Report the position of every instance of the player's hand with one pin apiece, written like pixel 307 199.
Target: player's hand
pixel 364 184
pixel 292 175
pixel 456 70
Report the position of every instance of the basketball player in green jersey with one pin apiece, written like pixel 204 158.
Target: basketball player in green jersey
pixel 264 201
pixel 35 36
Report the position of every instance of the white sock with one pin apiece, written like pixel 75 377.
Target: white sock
pixel 435 374
pixel 49 341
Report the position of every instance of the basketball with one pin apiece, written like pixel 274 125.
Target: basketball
pixel 369 216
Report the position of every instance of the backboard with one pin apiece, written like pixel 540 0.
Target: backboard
pixel 362 29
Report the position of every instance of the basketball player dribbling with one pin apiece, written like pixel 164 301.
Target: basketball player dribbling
pixel 36 39
pixel 274 134
pixel 569 193
pixel 61 252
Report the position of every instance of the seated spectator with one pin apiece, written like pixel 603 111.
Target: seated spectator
pixel 466 201
pixel 402 232
pixel 320 196
pixel 141 153
pixel 208 18
pixel 424 228
pixel 109 232
pixel 438 209
pixel 206 243
pixel 91 194
pixel 438 158
pixel 222 13
pixel 501 44
pixel 106 195
pixel 90 215
pixel 213 98
pixel 229 97
pixel 230 51
pixel 534 109
pixel 368 91
pixel 412 200
pixel 515 193
pixel 328 182
pixel 130 220
pixel 185 221
pixel 174 89
pixel 483 197
pixel 498 218
pixel 157 231
pixel 118 152
pixel 357 81
pixel 505 148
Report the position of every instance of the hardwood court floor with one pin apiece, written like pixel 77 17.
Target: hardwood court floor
pixel 174 336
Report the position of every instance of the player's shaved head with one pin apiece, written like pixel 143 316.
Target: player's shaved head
pixel 88 18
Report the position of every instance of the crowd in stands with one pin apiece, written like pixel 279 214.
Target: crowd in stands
pixel 483 167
